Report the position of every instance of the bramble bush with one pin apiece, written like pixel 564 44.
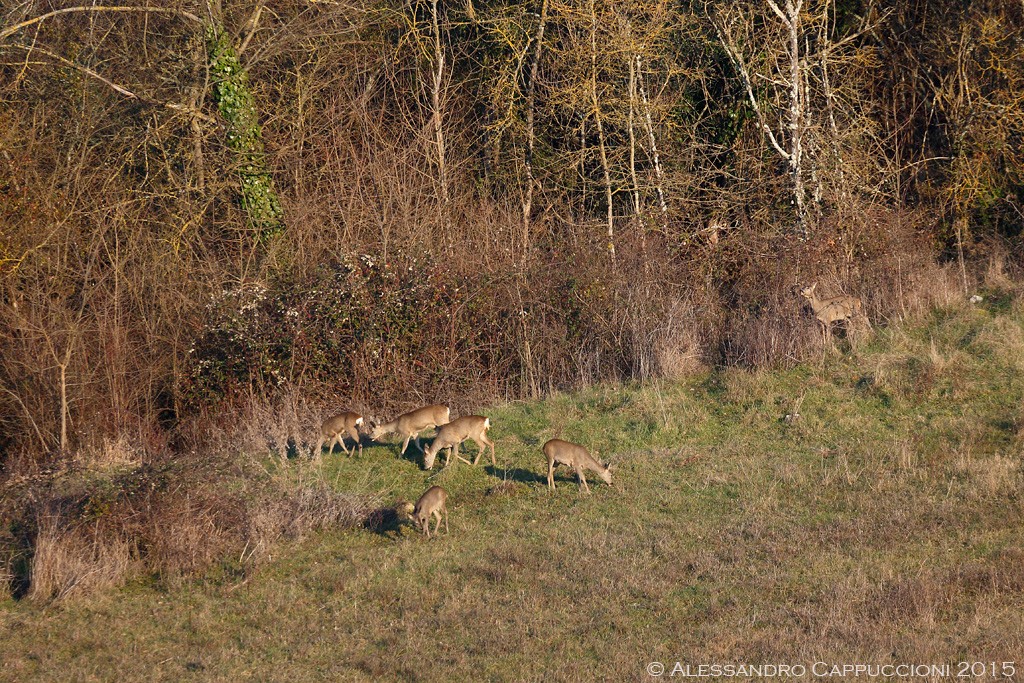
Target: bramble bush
pixel 347 323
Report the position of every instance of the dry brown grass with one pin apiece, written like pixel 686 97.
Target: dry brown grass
pixel 305 509
pixel 112 453
pixel 66 560
pixel 89 530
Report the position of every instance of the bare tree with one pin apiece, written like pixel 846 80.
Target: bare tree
pixel 596 113
pixel 531 114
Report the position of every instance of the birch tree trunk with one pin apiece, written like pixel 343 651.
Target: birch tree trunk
pixel 435 101
pixel 791 19
pixel 632 138
pixel 649 125
pixel 531 90
pixel 600 132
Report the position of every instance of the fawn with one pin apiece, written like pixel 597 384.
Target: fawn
pixel 431 504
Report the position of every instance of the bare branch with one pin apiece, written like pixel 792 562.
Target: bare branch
pixel 741 67
pixel 28 413
pixel 11 30
pixel 253 22
pixel 782 15
pixel 184 108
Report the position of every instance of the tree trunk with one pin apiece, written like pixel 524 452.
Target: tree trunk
pixel 531 89
pixel 791 18
pixel 63 406
pixel 236 104
pixel 600 132
pixel 649 125
pixel 435 99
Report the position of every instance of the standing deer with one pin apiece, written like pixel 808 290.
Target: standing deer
pixel 411 424
pixel 829 311
pixel 431 504
pixel 334 430
pixel 455 432
pixel 577 457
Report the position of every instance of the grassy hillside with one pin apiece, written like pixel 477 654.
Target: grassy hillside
pixel 882 525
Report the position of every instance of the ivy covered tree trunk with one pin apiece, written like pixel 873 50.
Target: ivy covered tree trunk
pixel 235 102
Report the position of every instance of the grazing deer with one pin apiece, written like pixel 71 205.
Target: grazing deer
pixel 455 432
pixel 431 504
pixel 564 453
pixel 334 430
pixel 411 424
pixel 828 311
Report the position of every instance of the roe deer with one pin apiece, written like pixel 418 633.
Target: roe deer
pixel 564 453
pixel 431 504
pixel 828 311
pixel 411 424
pixel 455 432
pixel 334 430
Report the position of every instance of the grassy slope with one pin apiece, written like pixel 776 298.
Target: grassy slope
pixel 884 525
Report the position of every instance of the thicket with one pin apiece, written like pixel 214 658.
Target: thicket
pixel 211 207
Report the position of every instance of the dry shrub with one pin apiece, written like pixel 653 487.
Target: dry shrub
pixel 170 523
pixel 884 257
pixel 296 512
pixel 112 453
pixel 880 256
pixel 185 534
pixel 681 342
pixel 68 559
pixel 284 423
pixel 7 574
pixel 1000 268
pixel 769 338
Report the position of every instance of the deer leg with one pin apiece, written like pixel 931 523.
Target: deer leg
pixel 551 474
pixel 405 444
pixel 583 480
pixel 484 443
pixel 416 437
pixel 455 450
pixel 357 440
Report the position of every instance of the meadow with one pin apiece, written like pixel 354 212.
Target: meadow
pixel 880 522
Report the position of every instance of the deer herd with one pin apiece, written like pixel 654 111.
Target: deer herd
pixel 451 433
